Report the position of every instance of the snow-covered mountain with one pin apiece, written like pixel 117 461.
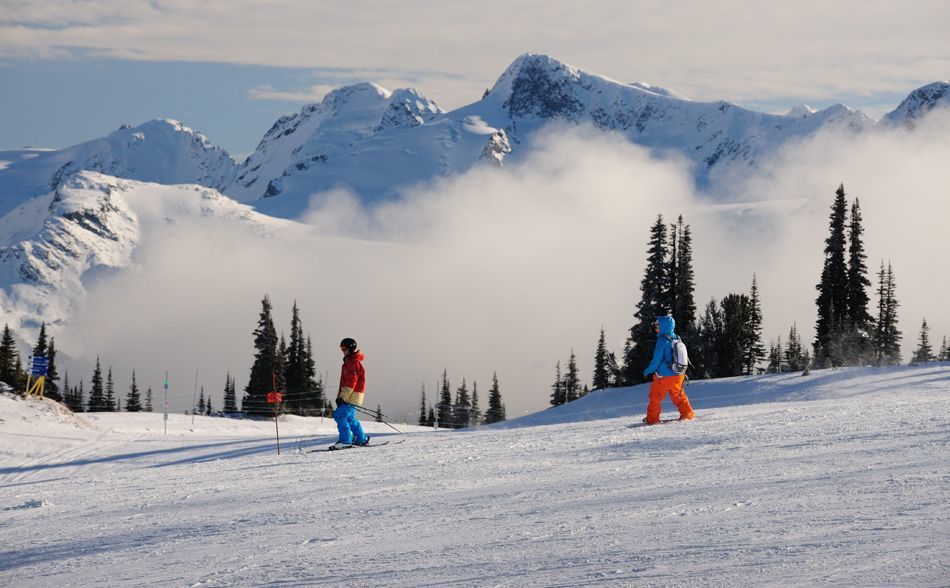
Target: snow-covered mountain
pixel 378 143
pixel 319 132
pixel 305 153
pixel 51 245
pixel 160 151
pixel 920 102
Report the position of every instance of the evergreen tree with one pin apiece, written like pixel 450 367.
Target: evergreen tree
pixel 558 390
pixel 148 400
pixel 496 408
pixel 924 352
pixel 298 382
pixel 9 357
pixel 430 420
pixel 754 351
pixel 279 383
pixel 42 345
pixel 445 402
pixel 703 354
pixel 572 380
pixel 67 392
pixel 261 380
pixel 48 350
pixel 200 409
pixel 887 337
pixel 97 393
pixel 461 410
pixel 230 394
pixel 832 298
pixel 52 373
pixel 111 400
pixel 314 392
pixel 725 338
pixel 776 358
pixel 80 398
pixel 601 367
pixel 615 371
pixel 422 408
pixel 682 303
pixel 944 350
pixel 860 321
pixel 738 337
pixel 379 413
pixel 476 414
pixel 794 353
pixel 208 408
pixel 132 402
pixel 20 374
pixel 653 303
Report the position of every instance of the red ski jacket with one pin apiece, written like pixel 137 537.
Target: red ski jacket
pixel 353 379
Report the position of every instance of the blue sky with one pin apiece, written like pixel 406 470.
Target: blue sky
pixel 73 70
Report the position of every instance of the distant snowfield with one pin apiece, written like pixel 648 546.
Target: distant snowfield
pixel 841 477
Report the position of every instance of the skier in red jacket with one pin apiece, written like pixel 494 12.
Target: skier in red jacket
pixel 349 396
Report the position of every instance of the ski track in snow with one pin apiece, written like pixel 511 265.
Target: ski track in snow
pixel 839 478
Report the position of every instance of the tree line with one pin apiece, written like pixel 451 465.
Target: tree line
pixel 725 340
pixel 464 410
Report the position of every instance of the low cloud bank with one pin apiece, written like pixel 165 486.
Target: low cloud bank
pixel 509 270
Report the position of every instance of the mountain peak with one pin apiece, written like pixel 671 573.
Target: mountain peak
pixel 362 94
pixel 801 111
pixel 538 86
pixel 920 102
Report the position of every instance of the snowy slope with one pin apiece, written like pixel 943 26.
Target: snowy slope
pixel 837 478
pixel 52 245
pixel 161 151
pixel 304 153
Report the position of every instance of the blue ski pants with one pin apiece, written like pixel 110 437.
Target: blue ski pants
pixel 351 431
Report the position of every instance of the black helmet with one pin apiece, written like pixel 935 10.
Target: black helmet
pixel 348 344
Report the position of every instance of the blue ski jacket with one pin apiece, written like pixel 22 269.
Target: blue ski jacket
pixel 662 354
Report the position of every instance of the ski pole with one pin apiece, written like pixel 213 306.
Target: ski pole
pixel 378 415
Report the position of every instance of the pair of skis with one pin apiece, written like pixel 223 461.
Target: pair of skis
pixel 334 448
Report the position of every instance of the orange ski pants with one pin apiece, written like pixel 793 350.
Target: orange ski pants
pixel 659 388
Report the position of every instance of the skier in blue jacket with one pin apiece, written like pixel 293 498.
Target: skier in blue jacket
pixel 665 380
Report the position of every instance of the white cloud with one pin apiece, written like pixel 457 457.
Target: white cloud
pixel 509 270
pixel 314 93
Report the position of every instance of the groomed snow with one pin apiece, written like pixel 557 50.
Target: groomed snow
pixel 839 477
